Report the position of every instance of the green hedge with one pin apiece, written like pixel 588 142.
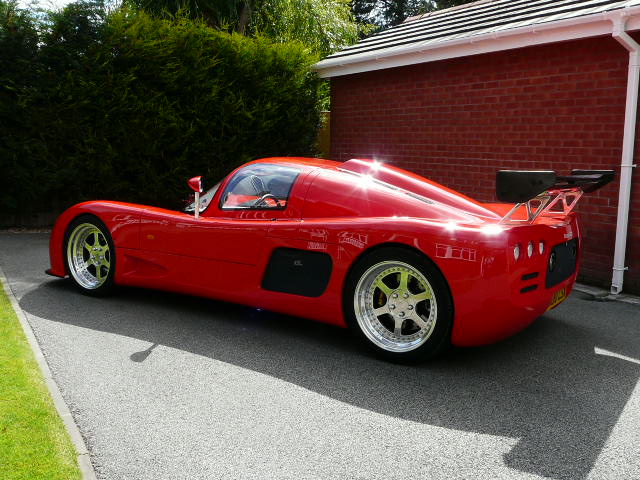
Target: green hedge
pixel 125 106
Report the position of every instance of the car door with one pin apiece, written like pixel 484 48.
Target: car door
pixel 223 250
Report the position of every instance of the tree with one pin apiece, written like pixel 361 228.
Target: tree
pixel 386 13
pixel 217 13
pixel 323 25
pixel 18 40
pixel 451 3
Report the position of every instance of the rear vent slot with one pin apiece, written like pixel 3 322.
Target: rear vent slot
pixel 530 288
pixel 529 276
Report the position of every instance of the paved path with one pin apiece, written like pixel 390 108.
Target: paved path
pixel 165 386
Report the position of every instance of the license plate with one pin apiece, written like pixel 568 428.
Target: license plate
pixel 558 297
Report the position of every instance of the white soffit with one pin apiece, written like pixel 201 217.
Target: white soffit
pixel 475 30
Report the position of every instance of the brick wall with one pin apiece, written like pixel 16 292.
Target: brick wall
pixel 457 121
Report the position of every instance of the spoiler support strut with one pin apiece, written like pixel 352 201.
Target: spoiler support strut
pixel 546 203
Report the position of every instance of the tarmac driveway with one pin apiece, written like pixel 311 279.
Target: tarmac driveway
pixel 165 386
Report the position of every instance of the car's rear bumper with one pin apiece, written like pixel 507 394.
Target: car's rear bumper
pixel 504 302
pixel 501 319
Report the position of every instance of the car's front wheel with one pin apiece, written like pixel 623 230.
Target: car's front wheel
pixel 90 255
pixel 398 303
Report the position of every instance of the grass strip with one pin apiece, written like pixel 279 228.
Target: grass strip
pixel 33 441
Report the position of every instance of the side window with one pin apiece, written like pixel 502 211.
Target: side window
pixel 259 186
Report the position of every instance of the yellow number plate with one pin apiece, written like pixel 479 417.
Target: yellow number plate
pixel 558 297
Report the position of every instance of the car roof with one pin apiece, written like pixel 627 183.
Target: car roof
pixel 310 163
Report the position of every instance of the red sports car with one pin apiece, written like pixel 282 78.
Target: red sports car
pixel 409 265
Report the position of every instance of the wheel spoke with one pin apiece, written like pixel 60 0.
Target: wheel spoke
pixel 418 320
pixel 404 281
pixel 106 263
pixel 418 297
pixel 98 272
pixel 96 242
pixel 380 311
pixel 397 330
pixel 87 245
pixel 382 286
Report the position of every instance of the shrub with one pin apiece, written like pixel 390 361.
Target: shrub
pixel 126 106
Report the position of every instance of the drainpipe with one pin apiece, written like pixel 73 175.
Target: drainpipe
pixel 626 166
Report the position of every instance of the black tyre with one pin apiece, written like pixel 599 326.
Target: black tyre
pixel 90 255
pixel 398 303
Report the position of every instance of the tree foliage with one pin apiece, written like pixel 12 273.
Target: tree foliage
pixel 19 39
pixel 323 25
pixel 216 13
pixel 386 13
pixel 127 106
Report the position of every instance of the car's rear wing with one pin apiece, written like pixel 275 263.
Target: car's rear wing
pixel 543 193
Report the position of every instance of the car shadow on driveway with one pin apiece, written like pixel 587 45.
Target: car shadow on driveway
pixel 545 387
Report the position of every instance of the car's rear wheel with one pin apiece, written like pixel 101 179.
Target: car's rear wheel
pixel 90 255
pixel 398 303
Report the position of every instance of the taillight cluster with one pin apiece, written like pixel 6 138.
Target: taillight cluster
pixel 531 249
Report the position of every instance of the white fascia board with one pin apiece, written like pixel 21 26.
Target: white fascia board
pixel 560 31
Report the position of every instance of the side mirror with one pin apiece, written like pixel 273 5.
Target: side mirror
pixel 196 185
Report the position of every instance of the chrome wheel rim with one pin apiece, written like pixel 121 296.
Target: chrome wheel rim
pixel 395 306
pixel 88 256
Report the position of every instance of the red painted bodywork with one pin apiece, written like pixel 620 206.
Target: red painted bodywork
pixel 345 210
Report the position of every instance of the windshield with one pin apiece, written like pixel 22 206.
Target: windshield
pixel 205 200
pixel 259 186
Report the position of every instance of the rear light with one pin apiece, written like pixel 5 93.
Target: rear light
pixel 541 247
pixel 530 249
pixel 516 251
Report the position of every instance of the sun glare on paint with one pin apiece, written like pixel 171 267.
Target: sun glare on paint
pixel 365 181
pixel 491 229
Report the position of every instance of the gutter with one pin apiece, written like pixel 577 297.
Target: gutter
pixel 628 143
